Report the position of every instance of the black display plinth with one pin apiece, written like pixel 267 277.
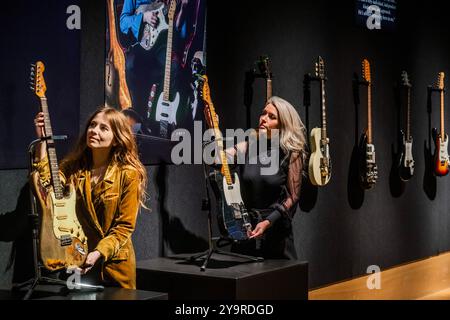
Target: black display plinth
pixel 226 278
pixel 57 292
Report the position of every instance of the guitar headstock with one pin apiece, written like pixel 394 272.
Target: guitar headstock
pixel 37 82
pixel 440 81
pixel 264 67
pixel 172 8
pixel 366 71
pixel 405 79
pixel 320 68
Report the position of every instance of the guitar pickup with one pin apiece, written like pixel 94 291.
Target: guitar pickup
pixel 66 240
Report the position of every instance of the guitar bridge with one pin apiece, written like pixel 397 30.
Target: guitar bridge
pixel 66 240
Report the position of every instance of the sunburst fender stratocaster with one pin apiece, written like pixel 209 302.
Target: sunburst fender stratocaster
pixel 441 138
pixel 62 242
pixel 406 165
pixel 320 162
pixel 368 170
pixel 233 216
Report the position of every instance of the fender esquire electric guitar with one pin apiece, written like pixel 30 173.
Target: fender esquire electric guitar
pixel 440 138
pixel 320 162
pixel 368 171
pixel 62 242
pixel 233 216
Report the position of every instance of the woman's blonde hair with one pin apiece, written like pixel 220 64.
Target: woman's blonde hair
pixel 124 152
pixel 292 129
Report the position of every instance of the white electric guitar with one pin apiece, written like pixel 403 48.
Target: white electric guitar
pixel 166 110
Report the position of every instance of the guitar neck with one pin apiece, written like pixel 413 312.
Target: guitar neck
pixel 219 141
pixel 369 113
pixel 442 114
pixel 268 89
pixel 168 61
pixel 322 102
pixel 112 24
pixel 51 151
pixel 408 113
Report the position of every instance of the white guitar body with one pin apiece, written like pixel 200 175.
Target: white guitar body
pixel 443 150
pixel 166 111
pixel 232 192
pixel 150 34
pixel 318 172
pixel 408 162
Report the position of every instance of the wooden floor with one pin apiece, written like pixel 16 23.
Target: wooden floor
pixel 427 279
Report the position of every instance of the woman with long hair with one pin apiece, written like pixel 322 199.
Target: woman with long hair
pixel 272 198
pixel 110 182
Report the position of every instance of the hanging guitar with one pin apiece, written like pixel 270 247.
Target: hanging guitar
pixel 368 171
pixel 320 162
pixel 166 109
pixel 441 160
pixel 406 165
pixel 62 242
pixel 234 221
pixel 266 73
pixel 116 87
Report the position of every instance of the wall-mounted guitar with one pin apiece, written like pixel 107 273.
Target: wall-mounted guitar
pixel 150 35
pixel 62 240
pixel 233 217
pixel 368 171
pixel 319 168
pixel 115 78
pixel 406 165
pixel 266 73
pixel 166 110
pixel 441 160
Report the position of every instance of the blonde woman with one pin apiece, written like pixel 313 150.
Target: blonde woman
pixel 273 198
pixel 110 181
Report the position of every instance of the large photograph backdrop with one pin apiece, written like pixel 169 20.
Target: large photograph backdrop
pixel 48 32
pixel 155 53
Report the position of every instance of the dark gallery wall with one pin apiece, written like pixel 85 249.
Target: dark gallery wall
pixel 339 229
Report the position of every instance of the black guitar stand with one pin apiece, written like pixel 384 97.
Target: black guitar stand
pixel 34 218
pixel 215 242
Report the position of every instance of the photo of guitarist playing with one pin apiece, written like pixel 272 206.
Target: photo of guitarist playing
pixel 109 181
pixel 146 66
pixel 273 199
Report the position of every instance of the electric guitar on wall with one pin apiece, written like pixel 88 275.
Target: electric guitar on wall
pixel 233 216
pixel 406 166
pixel 166 110
pixel 368 171
pixel 62 241
pixel 320 162
pixel 264 68
pixel 116 83
pixel 441 138
pixel 150 35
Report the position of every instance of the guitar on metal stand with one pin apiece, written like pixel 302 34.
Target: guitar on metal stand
pixel 234 220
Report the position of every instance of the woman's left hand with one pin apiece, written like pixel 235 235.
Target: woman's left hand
pixel 259 229
pixel 91 259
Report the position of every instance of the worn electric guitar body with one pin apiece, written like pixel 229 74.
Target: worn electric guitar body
pixel 234 220
pixel 319 168
pixel 150 35
pixel 441 161
pixel 368 170
pixel 62 242
pixel 406 165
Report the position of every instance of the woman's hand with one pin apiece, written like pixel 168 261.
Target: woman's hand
pixel 91 259
pixel 39 124
pixel 259 229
